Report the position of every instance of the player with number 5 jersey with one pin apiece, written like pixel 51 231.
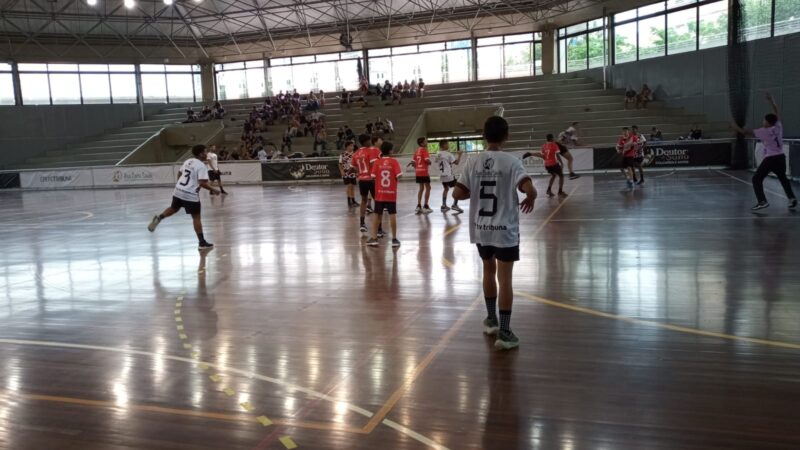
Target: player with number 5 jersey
pixel 490 181
pixel 385 172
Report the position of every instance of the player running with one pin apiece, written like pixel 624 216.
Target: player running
pixel 214 174
pixel 192 177
pixel 446 162
pixel 552 163
pixel 421 163
pixel 490 181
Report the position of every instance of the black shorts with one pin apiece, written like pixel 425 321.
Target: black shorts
pixel 554 170
pixel 380 207
pixel 349 181
pixel 562 148
pixel 192 208
pixel 213 175
pixel 423 180
pixel 366 188
pixel 639 160
pixel 505 254
pixel 449 184
pixel 628 161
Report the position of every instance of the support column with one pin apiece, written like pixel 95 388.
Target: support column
pixel 139 93
pixel 549 52
pixel 474 50
pixel 207 82
pixel 16 84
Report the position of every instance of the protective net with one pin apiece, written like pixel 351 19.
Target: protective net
pixel 738 78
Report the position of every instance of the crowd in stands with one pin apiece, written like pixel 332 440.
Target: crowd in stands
pixel 638 99
pixel 387 92
pixel 207 114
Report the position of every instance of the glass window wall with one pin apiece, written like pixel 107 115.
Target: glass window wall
pixel 6 85
pixel 64 84
pixel 509 56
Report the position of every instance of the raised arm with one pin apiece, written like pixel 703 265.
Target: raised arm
pixel 774 105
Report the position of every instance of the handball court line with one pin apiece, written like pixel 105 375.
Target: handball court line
pixel 447 337
pixel 779 194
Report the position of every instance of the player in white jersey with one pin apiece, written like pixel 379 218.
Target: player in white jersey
pixel 192 177
pixel 214 173
pixel 446 161
pixel 490 181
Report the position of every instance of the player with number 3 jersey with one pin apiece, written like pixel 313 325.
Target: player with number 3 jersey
pixel 490 181
pixel 385 172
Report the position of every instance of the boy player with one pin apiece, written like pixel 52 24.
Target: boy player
pixel 490 181
pixel 385 172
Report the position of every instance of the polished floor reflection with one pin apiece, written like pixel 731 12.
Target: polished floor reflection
pixel 664 317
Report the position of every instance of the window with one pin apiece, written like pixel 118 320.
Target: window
pixel 581 46
pixel 242 80
pixel 787 17
pixel 577 53
pixel 508 56
pixel 596 49
pixel 490 62
pixel 682 31
pixel 625 43
pixel 6 85
pixel 518 60
pixel 63 83
pixel 652 37
pixel 170 83
pixel 436 63
pixel 757 19
pixel 713 25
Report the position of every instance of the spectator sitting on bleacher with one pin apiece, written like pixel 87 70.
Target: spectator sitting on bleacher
pixel 219 111
pixel 397 94
pixel 344 98
pixel 190 116
pixel 655 135
pixel 645 96
pixel 368 128
pixel 421 88
pixel 386 92
pixel 340 139
pixel 696 133
pixel 348 134
pixel 630 97
pixel 406 89
pixel 413 89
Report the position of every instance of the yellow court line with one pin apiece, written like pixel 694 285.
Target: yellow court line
pixel 450 230
pixel 181 412
pixel 409 381
pixel 665 326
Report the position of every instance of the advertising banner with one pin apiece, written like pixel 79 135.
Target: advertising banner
pixel 242 172
pixel 300 170
pixel 9 180
pixel 52 179
pixel 133 176
pixel 676 154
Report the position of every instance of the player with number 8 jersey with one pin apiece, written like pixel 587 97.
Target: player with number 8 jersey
pixel 385 172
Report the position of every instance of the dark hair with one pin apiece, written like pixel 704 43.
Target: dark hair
pixel 634 127
pixel 420 140
pixel 495 130
pixel 771 119
pixel 549 137
pixel 375 138
pixel 349 143
pixel 364 140
pixel 386 148
pixel 198 149
pixel 625 128
pixel 443 142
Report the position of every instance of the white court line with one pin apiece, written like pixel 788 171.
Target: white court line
pixel 623 219
pixel 290 386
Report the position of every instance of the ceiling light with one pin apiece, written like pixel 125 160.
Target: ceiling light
pixel 129 4
pixel 168 2
pixel 91 2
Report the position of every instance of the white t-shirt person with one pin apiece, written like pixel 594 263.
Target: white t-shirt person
pixel 493 202
pixel 188 186
pixel 446 160
pixel 212 161
pixel 262 156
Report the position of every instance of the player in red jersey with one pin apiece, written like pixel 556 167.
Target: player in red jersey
pixel 626 145
pixel 552 163
pixel 385 172
pixel 363 159
pixel 421 163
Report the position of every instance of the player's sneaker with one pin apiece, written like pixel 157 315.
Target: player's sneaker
pixel 223 192
pixel 550 193
pixel 153 224
pixel 793 203
pixel 363 228
pixel 630 183
pixel 506 340
pixel 418 210
pixel 562 194
pixel 490 326
pixel 640 182
pixel 760 205
pixel 426 209
pixel 444 208
pixel 369 210
pixel 395 243
pixel 372 242
pixel 381 234
pixel 457 209
pixel 205 245
pixel 356 204
pixel 574 176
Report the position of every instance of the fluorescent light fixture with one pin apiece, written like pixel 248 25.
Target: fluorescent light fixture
pixel 129 4
pixel 168 2
pixel 91 2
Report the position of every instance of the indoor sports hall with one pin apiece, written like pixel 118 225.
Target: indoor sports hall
pixel 191 193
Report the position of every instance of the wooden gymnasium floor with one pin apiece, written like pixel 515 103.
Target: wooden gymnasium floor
pixel 667 317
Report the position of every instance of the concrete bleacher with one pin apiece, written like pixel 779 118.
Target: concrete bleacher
pixel 534 106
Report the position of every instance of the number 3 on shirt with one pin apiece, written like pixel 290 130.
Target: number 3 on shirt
pixel 386 178
pixel 488 196
pixel 187 174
